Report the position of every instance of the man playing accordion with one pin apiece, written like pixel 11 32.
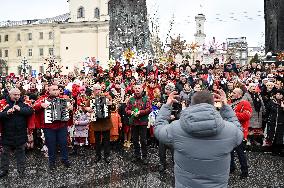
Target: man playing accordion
pixel 98 106
pixel 53 109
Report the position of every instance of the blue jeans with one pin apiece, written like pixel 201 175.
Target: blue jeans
pixel 240 150
pixel 54 137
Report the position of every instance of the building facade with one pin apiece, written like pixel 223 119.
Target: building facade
pixel 237 48
pixel 68 39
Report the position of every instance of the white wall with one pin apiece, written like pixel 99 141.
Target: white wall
pixel 89 6
pixel 80 45
pixel 83 42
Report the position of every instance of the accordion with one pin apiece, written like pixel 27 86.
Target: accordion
pixel 57 110
pixel 100 108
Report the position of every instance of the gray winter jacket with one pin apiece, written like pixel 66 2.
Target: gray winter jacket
pixel 202 140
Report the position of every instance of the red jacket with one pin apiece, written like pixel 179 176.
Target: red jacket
pixel 243 112
pixel 39 120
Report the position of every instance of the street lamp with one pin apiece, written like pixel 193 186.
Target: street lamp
pixel 24 66
pixel 52 65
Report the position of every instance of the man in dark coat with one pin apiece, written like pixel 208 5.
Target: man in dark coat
pixel 175 113
pixel 14 130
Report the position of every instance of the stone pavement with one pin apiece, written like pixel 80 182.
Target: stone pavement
pixel 265 171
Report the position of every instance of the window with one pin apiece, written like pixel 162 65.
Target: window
pixel 50 51
pixel 41 51
pixel 30 37
pixel 81 12
pixel 30 52
pixel 19 70
pixel 6 53
pixel 18 37
pixel 97 13
pixel 41 35
pixel 0 38
pixel 19 52
pixel 6 38
pixel 0 52
pixel 50 35
pixel 244 55
pixel 41 69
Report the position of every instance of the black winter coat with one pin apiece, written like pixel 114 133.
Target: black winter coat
pixel 123 115
pixel 275 122
pixel 14 126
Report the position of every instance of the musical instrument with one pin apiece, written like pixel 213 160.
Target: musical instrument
pixel 56 110
pixel 100 108
pixel 93 107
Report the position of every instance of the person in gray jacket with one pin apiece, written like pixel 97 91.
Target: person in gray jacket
pixel 202 138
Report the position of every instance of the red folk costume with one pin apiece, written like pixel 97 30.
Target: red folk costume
pixel 243 112
pixel 81 99
pixel 81 96
pixel 152 92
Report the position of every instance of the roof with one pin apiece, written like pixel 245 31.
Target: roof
pixel 58 19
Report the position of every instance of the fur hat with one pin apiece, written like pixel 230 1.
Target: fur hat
pixel 97 86
pixel 170 86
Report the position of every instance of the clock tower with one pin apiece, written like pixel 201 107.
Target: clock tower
pixel 200 35
pixel 88 10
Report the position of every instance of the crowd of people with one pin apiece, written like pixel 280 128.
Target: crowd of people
pixel 121 105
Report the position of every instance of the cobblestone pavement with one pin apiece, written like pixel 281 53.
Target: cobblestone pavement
pixel 265 171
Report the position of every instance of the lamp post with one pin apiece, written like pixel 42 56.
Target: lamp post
pixel 24 66
pixel 52 64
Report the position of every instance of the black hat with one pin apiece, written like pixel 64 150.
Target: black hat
pixel 130 65
pixel 210 67
pixel 281 91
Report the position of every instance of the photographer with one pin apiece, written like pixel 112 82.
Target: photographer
pixel 170 87
pixel 202 139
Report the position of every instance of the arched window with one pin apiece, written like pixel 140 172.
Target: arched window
pixel 81 12
pixel 97 13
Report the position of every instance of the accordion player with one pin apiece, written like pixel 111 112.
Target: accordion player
pixel 57 110
pixel 100 108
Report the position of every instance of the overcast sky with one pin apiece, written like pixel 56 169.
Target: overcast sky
pixel 224 18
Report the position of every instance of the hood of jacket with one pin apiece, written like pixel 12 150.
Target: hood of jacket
pixel 201 120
